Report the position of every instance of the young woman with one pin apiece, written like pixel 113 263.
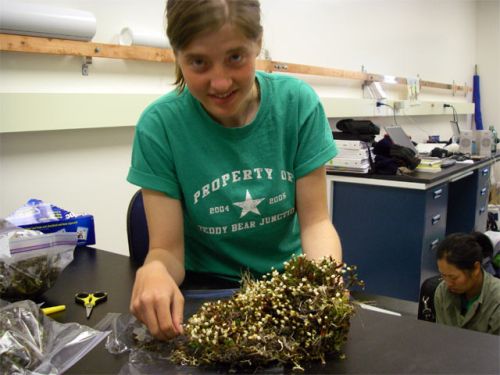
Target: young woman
pixel 468 297
pixel 231 163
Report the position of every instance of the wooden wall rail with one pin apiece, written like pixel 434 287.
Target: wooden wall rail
pixel 51 46
pixel 29 44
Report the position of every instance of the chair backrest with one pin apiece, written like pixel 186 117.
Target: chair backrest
pixel 426 309
pixel 137 229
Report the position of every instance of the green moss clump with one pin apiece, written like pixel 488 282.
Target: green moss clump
pixel 288 318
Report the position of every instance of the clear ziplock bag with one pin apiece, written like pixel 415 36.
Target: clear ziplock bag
pixel 31 261
pixel 31 343
pixel 146 354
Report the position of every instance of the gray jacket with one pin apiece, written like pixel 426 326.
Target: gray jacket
pixel 484 314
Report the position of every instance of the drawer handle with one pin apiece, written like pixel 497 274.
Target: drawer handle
pixel 481 210
pixel 483 191
pixel 435 219
pixel 434 244
pixel 438 193
pixel 485 171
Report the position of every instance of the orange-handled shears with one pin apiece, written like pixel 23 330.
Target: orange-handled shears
pixel 89 300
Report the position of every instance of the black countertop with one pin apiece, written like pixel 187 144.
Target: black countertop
pixel 377 342
pixel 423 177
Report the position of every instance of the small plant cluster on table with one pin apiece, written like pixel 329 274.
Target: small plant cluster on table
pixel 288 318
pixel 28 278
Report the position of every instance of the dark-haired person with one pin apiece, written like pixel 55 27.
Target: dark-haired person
pixel 231 163
pixel 491 261
pixel 468 297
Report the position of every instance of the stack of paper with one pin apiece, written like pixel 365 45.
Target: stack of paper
pixel 353 156
pixel 429 165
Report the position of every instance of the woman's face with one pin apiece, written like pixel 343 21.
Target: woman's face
pixel 458 281
pixel 219 70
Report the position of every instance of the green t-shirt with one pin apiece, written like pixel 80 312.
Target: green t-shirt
pixel 236 185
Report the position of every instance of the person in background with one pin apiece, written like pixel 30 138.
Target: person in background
pixel 491 257
pixel 468 297
pixel 231 164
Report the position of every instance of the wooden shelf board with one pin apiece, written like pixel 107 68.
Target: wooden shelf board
pixel 30 44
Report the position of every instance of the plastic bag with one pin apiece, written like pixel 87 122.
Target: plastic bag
pixel 31 343
pixel 130 335
pixel 37 211
pixel 148 355
pixel 31 261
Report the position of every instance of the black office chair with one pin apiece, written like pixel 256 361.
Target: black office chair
pixel 138 245
pixel 426 309
pixel 137 229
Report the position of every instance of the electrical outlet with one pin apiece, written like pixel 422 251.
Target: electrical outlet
pixel 399 105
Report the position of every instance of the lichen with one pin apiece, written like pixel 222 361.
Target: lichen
pixel 289 318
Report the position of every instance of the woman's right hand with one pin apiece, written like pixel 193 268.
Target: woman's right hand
pixel 157 301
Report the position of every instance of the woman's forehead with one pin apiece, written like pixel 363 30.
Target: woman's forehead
pixel 225 39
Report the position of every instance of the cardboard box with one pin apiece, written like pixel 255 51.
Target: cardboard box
pixel 48 218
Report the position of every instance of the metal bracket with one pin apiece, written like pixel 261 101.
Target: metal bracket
pixel 419 84
pixel 279 66
pixel 87 60
pixel 266 54
pixel 365 83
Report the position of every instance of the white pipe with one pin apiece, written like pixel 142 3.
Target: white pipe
pixel 46 20
pixel 129 36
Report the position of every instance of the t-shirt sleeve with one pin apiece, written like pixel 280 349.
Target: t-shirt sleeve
pixel 152 165
pixel 316 144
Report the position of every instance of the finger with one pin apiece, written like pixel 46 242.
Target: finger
pixel 178 312
pixel 164 320
pixel 134 302
pixel 152 322
pixel 135 307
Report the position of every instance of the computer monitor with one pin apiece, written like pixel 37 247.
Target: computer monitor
pixel 399 137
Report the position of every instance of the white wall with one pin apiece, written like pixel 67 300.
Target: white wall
pixel 84 170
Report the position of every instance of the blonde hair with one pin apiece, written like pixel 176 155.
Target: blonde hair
pixel 186 19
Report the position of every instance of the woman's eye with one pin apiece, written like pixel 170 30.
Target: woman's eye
pixel 236 58
pixel 197 63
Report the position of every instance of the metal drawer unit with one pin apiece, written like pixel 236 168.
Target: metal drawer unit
pixel 387 232
pixel 483 184
pixel 466 215
pixel 436 208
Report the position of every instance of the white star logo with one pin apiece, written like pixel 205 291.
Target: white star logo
pixel 249 205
